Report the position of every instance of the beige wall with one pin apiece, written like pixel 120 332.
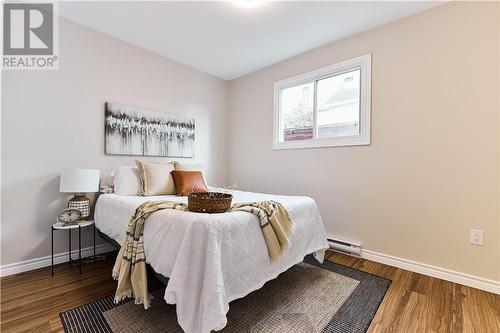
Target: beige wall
pixel 432 171
pixel 54 119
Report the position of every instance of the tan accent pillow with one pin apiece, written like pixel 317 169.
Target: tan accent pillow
pixel 187 182
pixel 156 178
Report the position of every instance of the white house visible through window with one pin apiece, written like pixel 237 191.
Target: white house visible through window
pixel 326 107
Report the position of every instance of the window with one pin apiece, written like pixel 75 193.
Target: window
pixel 327 107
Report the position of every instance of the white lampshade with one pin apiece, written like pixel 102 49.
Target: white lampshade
pixel 79 181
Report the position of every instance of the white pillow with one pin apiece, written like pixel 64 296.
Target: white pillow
pixel 127 181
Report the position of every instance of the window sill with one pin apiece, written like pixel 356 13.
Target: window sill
pixel 322 143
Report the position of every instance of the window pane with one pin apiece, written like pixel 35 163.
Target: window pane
pixel 297 113
pixel 338 105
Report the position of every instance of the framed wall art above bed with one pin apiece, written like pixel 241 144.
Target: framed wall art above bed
pixel 131 130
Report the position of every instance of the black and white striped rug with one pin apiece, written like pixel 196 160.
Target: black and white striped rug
pixel 89 317
pixel 310 297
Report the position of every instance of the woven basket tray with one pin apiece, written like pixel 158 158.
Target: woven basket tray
pixel 209 202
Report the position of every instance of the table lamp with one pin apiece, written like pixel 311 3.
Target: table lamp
pixel 79 182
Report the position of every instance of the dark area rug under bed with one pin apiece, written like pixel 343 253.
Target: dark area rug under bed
pixel 309 297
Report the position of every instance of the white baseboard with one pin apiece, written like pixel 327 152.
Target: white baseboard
pixel 410 265
pixel 434 271
pixel 29 265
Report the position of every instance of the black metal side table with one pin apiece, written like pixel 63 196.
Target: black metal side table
pixel 69 227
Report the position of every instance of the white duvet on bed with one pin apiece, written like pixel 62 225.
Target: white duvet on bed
pixel 212 259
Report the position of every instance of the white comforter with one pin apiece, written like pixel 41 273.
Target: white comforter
pixel 212 259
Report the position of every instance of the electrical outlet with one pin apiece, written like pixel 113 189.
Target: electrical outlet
pixel 476 237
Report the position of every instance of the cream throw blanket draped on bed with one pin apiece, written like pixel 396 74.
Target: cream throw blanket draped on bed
pixel 130 265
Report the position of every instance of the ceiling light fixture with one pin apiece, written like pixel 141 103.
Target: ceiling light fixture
pixel 248 3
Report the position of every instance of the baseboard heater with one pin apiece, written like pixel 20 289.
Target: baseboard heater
pixel 344 247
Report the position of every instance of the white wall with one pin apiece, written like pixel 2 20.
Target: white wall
pixel 432 171
pixel 55 119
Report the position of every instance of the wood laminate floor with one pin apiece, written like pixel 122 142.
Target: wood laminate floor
pixel 31 301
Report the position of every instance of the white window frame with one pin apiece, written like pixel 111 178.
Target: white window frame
pixel 363 138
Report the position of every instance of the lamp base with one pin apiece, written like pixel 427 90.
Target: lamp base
pixel 82 203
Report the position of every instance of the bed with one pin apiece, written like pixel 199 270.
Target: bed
pixel 212 259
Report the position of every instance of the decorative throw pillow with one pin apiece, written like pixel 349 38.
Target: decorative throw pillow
pixel 191 167
pixel 156 178
pixel 106 185
pixel 187 182
pixel 127 181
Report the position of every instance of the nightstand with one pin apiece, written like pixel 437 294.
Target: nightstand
pixel 70 226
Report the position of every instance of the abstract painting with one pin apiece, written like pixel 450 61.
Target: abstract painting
pixel 131 130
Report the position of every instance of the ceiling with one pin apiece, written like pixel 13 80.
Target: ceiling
pixel 228 40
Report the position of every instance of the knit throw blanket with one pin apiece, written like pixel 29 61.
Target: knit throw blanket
pixel 130 265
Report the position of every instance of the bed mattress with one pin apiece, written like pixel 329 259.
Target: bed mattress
pixel 212 259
